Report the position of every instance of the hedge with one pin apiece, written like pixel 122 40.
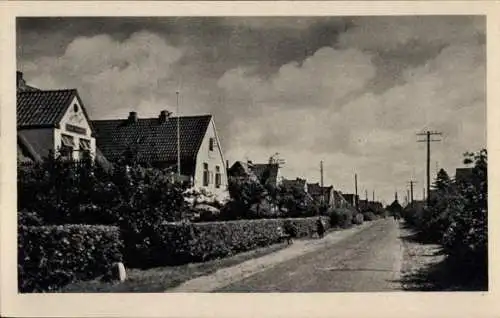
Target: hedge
pixel 342 218
pixel 52 256
pixel 181 242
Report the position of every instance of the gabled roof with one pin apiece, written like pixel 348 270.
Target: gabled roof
pixel 42 108
pixel 151 140
pixel 259 169
pixel 298 183
pixel 39 108
pixel 317 189
pixel 36 146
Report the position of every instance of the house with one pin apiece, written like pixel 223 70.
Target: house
pixel 153 142
pixel 324 195
pixel 53 122
pixel 353 199
pixel 266 173
pixel 298 183
pixel 340 201
pixel 241 170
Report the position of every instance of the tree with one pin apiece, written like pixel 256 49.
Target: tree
pixel 466 239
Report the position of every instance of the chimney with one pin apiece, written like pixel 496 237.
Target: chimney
pixel 132 117
pixel 20 83
pixel 164 116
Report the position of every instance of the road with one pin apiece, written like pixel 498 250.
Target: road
pixel 368 261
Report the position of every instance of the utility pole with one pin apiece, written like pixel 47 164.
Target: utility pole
pixel 356 190
pixel 412 183
pixel 423 194
pixel 373 196
pixel 178 138
pixel 321 169
pixel 428 134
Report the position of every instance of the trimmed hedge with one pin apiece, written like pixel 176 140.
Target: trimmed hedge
pixel 180 242
pixel 52 256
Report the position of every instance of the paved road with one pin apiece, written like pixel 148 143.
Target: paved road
pixel 367 261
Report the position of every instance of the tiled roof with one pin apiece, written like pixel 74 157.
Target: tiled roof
pixel 153 141
pixel 38 146
pixel 260 168
pixel 299 183
pixel 240 169
pixel 42 108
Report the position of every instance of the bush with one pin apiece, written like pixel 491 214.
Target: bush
pixel 341 218
pixel 369 216
pixel 358 219
pixel 290 228
pixel 181 242
pixel 27 218
pixel 51 256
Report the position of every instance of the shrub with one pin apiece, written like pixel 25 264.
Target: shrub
pixel 341 218
pixel 369 216
pixel 182 242
pixel 290 228
pixel 52 256
pixel 28 218
pixel 358 219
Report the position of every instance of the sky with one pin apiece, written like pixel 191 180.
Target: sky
pixel 352 92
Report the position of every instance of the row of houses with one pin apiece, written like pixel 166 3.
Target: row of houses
pixel 270 173
pixel 56 121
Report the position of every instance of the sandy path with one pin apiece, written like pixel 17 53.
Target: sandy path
pixel 226 276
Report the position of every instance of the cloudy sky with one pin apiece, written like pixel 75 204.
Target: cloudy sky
pixel 352 92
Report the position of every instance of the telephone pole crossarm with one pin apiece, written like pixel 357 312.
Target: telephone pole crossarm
pixel 428 134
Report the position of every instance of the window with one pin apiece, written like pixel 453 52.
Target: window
pixel 67 146
pixel 205 174
pixel 211 144
pixel 75 108
pixel 217 177
pixel 84 148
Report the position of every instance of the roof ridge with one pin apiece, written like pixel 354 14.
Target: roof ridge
pixel 153 118
pixel 48 90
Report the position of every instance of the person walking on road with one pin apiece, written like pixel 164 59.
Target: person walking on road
pixel 320 228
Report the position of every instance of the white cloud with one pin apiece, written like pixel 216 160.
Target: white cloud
pixel 373 134
pixel 112 76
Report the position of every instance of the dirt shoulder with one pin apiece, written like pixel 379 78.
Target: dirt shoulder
pixel 418 259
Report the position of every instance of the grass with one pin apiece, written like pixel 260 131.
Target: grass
pixel 159 279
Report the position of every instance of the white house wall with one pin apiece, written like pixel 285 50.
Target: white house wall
pixel 79 120
pixel 213 158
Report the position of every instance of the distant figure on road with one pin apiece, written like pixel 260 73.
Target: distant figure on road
pixel 320 228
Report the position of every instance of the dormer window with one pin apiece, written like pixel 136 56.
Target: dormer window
pixel 211 144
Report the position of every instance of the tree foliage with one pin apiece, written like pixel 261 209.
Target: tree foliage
pixel 457 217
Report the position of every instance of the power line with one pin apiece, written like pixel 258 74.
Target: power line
pixel 428 134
